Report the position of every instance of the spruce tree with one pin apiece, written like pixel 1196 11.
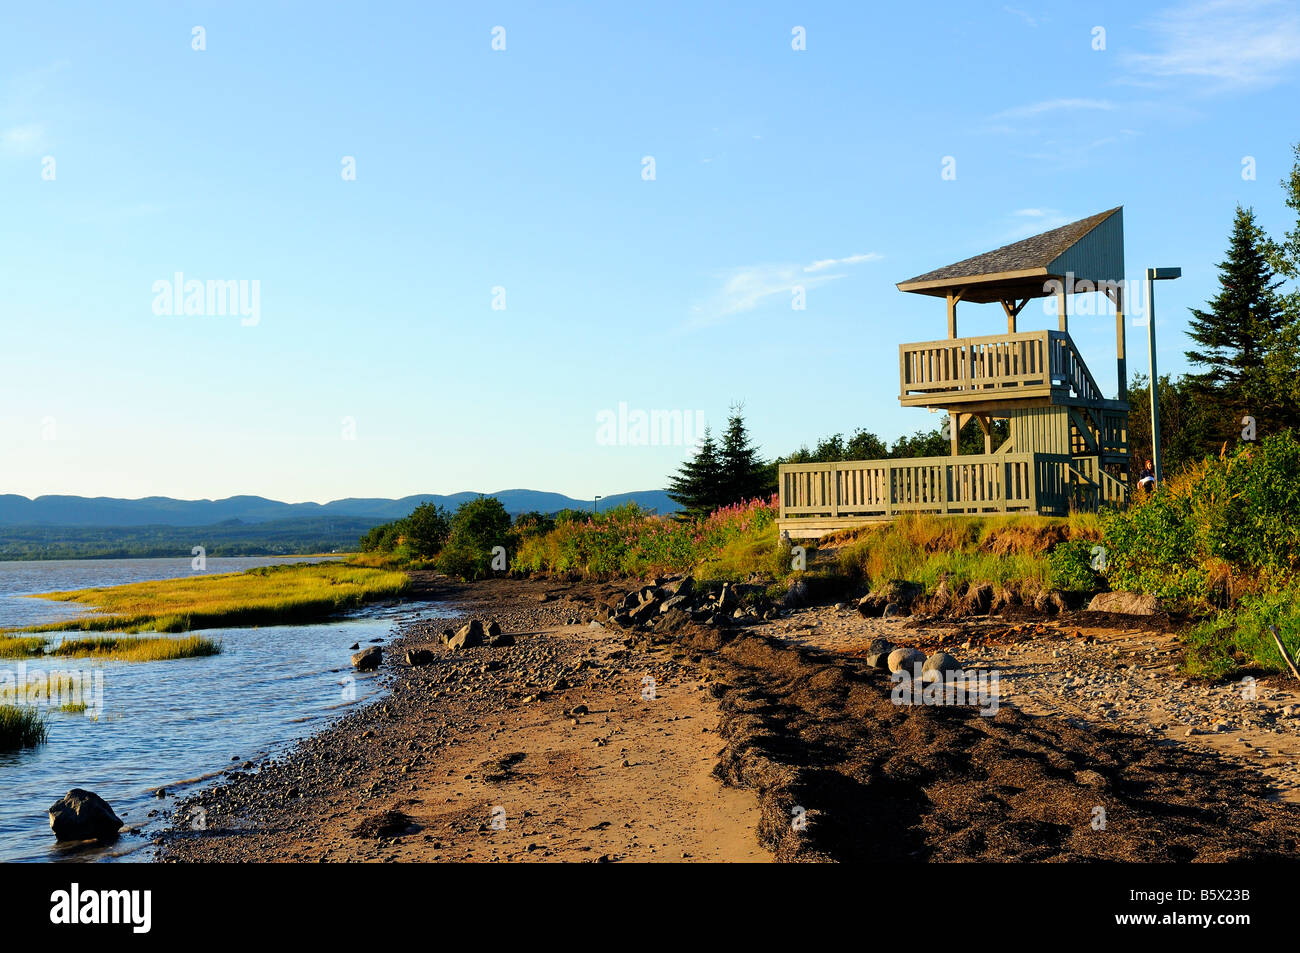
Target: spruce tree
pixel 743 471
pixel 696 486
pixel 1238 332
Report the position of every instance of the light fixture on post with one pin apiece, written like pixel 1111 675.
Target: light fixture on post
pixel 1154 275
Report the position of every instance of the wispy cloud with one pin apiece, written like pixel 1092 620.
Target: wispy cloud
pixel 833 262
pixel 25 140
pixel 744 289
pixel 1053 105
pixel 1029 18
pixel 1233 44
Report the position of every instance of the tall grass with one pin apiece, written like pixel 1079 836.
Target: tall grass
pixel 137 648
pixel 20 727
pixel 13 646
pixel 262 596
pixel 1004 551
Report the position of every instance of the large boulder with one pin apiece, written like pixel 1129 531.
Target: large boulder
pixel 903 660
pixel 83 815
pixel 367 660
pixel 418 657
pixel 872 604
pixel 1125 603
pixel 467 636
pixel 938 664
pixel 878 653
pixel 904 593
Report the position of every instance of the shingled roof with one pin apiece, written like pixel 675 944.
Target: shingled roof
pixel 1092 249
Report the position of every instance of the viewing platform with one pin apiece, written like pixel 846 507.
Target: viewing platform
pixel 1068 442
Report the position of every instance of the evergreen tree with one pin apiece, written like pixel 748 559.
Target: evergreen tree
pixel 743 471
pixel 1284 256
pixel 1236 335
pixel 696 487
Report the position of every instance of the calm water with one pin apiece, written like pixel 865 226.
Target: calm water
pixel 167 724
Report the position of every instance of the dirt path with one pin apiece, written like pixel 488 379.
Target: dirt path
pixel 1096 670
pixel 486 755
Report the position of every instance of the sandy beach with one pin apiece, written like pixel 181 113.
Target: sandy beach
pixel 593 742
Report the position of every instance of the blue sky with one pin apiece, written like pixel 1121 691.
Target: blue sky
pixel 378 366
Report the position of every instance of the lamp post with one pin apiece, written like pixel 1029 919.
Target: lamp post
pixel 1154 275
pixel 595 505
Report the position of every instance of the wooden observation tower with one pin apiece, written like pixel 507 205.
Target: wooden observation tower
pixel 1068 443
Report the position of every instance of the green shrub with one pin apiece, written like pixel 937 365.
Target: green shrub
pixel 1070 567
pixel 1152 547
pixel 426 530
pixel 1235 516
pixel 464 562
pixel 1240 638
pixel 480 524
pixel 1247 505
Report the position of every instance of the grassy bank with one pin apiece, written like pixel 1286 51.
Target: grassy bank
pixel 1008 552
pixel 627 541
pixel 20 727
pixel 262 596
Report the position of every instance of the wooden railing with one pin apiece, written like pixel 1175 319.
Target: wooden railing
pixel 999 362
pixel 1094 486
pixel 983 483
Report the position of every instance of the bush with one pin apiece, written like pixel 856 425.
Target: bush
pixel 20 727
pixel 1152 547
pixel 1240 638
pixel 464 562
pixel 1248 505
pixel 479 524
pixel 1070 567
pixel 532 524
pixel 425 530
pixel 1234 517
pixel 380 539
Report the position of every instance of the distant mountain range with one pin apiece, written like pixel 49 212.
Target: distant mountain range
pixel 103 511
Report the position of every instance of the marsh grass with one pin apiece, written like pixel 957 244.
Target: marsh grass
pixel 21 727
pixel 21 646
pixel 263 596
pixel 135 648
